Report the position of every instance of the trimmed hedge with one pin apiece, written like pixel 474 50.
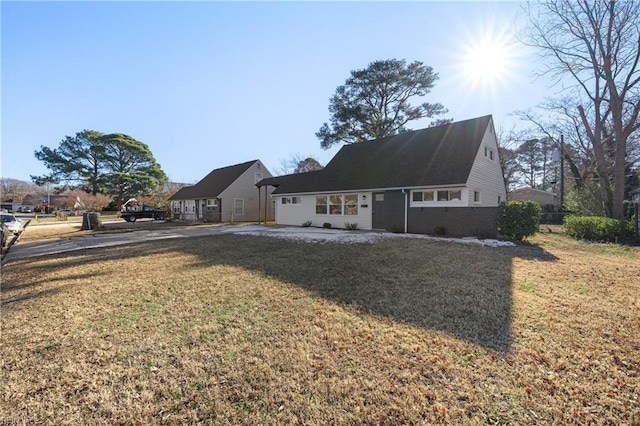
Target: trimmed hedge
pixel 519 219
pixel 598 228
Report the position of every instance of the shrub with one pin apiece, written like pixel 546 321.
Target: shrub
pixel 306 224
pixel 519 219
pixel 597 228
pixel 350 226
pixel 326 225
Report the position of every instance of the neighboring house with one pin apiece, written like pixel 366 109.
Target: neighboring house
pixel 543 198
pixel 443 180
pixel 227 194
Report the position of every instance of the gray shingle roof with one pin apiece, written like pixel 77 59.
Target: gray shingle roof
pixel 441 155
pixel 213 184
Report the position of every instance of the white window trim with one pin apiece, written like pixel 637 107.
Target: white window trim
pixel 489 153
pixel 343 205
pixel 212 204
pixel 464 192
pixel 235 206
pixel 294 200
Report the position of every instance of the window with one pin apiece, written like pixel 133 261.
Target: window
pixel 380 197
pixel 335 204
pixel 476 196
pixel 257 177
pixel 340 204
pixel 351 204
pixel 291 200
pixel 488 152
pixel 321 204
pixel 419 196
pixel 212 202
pixel 238 206
pixel 449 195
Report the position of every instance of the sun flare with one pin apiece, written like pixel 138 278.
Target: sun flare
pixel 488 61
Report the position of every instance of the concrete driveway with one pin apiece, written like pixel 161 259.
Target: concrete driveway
pixel 317 235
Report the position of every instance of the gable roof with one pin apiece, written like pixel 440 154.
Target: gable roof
pixel 213 184
pixel 441 155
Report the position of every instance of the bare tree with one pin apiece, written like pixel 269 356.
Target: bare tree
pixel 597 44
pixel 15 189
pixel 298 164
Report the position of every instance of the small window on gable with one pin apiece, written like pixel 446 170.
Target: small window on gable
pixel 257 177
pixel 476 196
pixel 488 152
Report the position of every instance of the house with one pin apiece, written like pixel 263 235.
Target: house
pixel 227 194
pixel 544 198
pixel 444 180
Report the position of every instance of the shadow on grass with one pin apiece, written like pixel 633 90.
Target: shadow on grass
pixel 462 290
pixel 458 289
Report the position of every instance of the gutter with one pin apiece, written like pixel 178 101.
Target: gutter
pixel 406 209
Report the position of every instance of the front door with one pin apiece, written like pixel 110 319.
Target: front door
pixel 379 220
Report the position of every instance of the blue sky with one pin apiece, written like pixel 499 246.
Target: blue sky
pixel 211 84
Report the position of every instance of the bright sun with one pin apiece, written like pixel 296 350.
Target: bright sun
pixel 489 61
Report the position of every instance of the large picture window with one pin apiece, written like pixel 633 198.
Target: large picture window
pixel 351 204
pixel 339 204
pixel 335 204
pixel 321 204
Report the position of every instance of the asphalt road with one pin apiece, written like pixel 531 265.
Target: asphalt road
pixel 23 250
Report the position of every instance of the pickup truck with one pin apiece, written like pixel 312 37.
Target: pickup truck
pixel 131 213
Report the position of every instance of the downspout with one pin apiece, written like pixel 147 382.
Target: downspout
pixel 406 210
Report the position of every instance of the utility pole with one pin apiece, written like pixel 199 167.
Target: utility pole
pixel 561 172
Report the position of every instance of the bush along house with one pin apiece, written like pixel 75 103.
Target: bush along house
pixel 443 180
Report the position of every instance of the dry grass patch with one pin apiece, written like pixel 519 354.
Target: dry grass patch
pixel 249 330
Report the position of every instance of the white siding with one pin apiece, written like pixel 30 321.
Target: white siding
pixel 297 214
pixel 245 188
pixel 486 174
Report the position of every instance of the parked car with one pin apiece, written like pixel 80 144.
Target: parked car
pixel 5 235
pixel 27 210
pixel 11 222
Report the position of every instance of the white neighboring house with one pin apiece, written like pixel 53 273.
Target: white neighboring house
pixel 544 198
pixel 439 180
pixel 227 194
